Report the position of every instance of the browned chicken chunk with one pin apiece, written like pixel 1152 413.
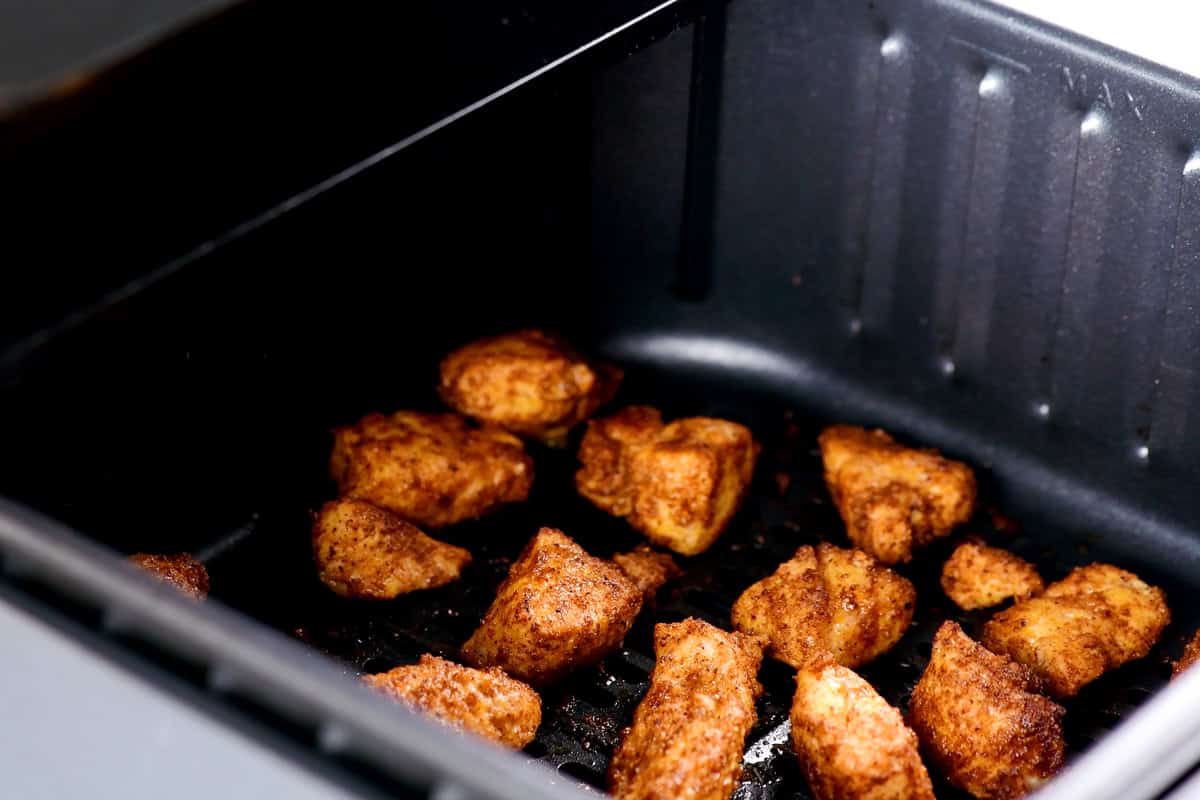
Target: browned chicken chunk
pixel 530 382
pixel 365 551
pixel 982 722
pixel 431 469
pixel 893 499
pixel 181 571
pixel 688 732
pixel 1095 619
pixel 978 576
pixel 824 602
pixel 558 610
pixel 851 743
pixel 1191 654
pixel 484 702
pixel 679 484
pixel 647 568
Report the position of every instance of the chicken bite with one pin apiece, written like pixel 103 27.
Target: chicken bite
pixel 484 702
pixel 850 742
pixel 688 732
pixel 981 720
pixel 1095 619
pixel 679 484
pixel 529 382
pixel 431 469
pixel 978 576
pixel 181 570
pixel 892 498
pixel 647 568
pixel 1191 654
pixel 558 610
pixel 827 601
pixel 365 551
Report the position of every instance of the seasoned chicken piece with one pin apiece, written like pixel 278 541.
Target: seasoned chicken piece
pixel 530 382
pixel 981 720
pixel 978 576
pixel 688 732
pixel 679 484
pixel 1095 619
pixel 647 568
pixel 485 702
pixel 181 571
pixel 431 469
pixel 558 610
pixel 365 551
pixel 893 499
pixel 1191 654
pixel 851 743
pixel 824 602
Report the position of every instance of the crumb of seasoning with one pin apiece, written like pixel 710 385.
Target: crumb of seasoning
pixel 782 481
pixel 1002 523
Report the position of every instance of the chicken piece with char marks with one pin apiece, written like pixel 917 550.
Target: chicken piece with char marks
pixel 647 568
pixel 181 570
pixel 529 382
pixel 485 702
pixel 1095 619
pixel 982 721
pixel 892 498
pixel 431 469
pixel 977 576
pixel 679 483
pixel 851 743
pixel 365 551
pixel 558 610
pixel 689 730
pixel 1191 654
pixel 827 601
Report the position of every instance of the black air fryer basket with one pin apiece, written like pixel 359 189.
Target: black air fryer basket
pixel 934 216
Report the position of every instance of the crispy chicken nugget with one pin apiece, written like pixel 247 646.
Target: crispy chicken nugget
pixel 181 570
pixel 679 484
pixel 978 576
pixel 558 610
pixel 484 702
pixel 688 732
pixel 892 498
pixel 529 382
pixel 851 743
pixel 1191 654
pixel 365 551
pixel 981 721
pixel 647 568
pixel 431 469
pixel 1095 619
pixel 827 601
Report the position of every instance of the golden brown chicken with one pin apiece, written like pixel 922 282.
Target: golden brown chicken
pixel 484 702
pixel 1095 619
pixel 365 551
pixel 431 469
pixel 982 722
pixel 851 743
pixel 647 568
pixel 1191 654
pixel 558 610
pixel 679 484
pixel 182 571
pixel 688 732
pixel 827 601
pixel 893 499
pixel 530 382
pixel 978 576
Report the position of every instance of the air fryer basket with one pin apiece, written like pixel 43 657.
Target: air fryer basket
pixel 936 217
